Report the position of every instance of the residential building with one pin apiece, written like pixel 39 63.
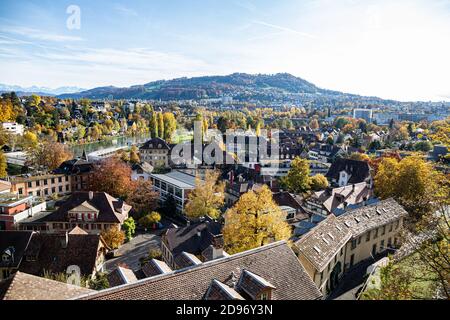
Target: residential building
pixel 346 171
pixel 80 172
pixel 271 272
pixel 13 128
pixel 43 186
pixel 141 171
pixel 326 201
pixel 337 244
pixel 202 240
pixel 174 184
pixel 365 114
pixel 91 211
pixel 14 208
pixel 12 249
pixel 156 152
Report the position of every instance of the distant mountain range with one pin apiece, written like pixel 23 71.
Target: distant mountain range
pixel 21 91
pixel 275 88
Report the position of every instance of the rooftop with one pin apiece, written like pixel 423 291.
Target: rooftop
pixel 178 179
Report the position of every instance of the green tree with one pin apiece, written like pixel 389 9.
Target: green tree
pixel 154 125
pixel 129 227
pixel 148 221
pixel 297 179
pixel 161 125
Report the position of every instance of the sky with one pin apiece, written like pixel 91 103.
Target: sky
pixel 391 49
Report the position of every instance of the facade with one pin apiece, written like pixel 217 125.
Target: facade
pixel 15 208
pixel 366 114
pixel 42 186
pixel 346 171
pixel 338 243
pixel 141 171
pixel 156 152
pixel 80 172
pixel 13 128
pixel 91 211
pixel 174 184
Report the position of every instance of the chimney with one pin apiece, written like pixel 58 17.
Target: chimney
pixel 217 245
pixel 65 240
pixel 91 195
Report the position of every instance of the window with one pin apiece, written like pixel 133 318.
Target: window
pixel 264 296
pixel 342 251
pixel 38 183
pixel 45 182
pixel 53 180
pixel 67 178
pixel 60 179
pixel 60 188
pixel 376 233
pixel 67 188
pixel 382 245
pixel 368 237
pixel 389 242
pixel 53 189
pixel 391 226
pixel 38 193
pixel 20 191
pixel 384 231
pixel 396 225
pixel 359 240
pixel 30 184
pixel 353 244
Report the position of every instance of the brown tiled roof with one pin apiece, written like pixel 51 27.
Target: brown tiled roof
pixel 17 239
pixel 5 186
pixel 276 263
pixel 24 286
pixel 155 267
pixel 323 242
pixel 50 254
pixel 361 220
pixel 185 260
pixel 108 207
pixel 219 291
pixel 120 276
pixel 253 284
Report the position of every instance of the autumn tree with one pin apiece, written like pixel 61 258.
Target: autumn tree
pixel 314 124
pixel 298 178
pixel 160 125
pixel 207 198
pixel 359 156
pixel 134 155
pixel 112 176
pixel 154 125
pixel 142 198
pixel 412 182
pixel 255 220
pixel 3 165
pixel 319 182
pixel 50 155
pixel 113 237
pixel 148 221
pixel 170 125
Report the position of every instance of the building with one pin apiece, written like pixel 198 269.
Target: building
pixel 14 208
pixel 22 286
pixel 271 272
pixel 43 186
pixel 346 171
pixel 80 172
pixel 91 211
pixel 203 240
pixel 12 249
pixel 156 152
pixel 174 184
pixel 337 244
pixel 366 114
pixel 326 201
pixel 141 171
pixel 13 128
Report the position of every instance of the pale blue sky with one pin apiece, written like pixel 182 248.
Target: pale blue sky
pixel 392 49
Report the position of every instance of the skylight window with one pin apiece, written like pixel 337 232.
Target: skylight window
pixel 347 224
pixel 331 236
pixel 325 240
pixel 317 249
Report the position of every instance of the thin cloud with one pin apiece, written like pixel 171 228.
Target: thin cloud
pixel 39 34
pixel 285 29
pixel 125 10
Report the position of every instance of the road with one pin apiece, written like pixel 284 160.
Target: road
pixel 131 252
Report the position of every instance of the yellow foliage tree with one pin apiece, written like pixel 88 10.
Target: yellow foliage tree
pixel 207 198
pixel 255 220
pixel 114 237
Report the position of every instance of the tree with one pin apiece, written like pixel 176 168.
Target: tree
pixel 50 155
pixel 154 125
pixel 112 176
pixel 412 182
pixel 170 125
pixel 29 140
pixel 161 125
pixel 359 156
pixel 207 198
pixel 143 198
pixel 149 220
pixel 3 165
pixel 255 220
pixel 129 227
pixel 319 182
pixel 113 237
pixel 424 146
pixel 314 124
pixel 297 179
pixel 100 282
pixel 134 155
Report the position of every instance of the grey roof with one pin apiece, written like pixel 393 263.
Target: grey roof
pixel 220 291
pixel 155 267
pixel 363 219
pixel 323 242
pixel 275 262
pixel 18 240
pixel 177 178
